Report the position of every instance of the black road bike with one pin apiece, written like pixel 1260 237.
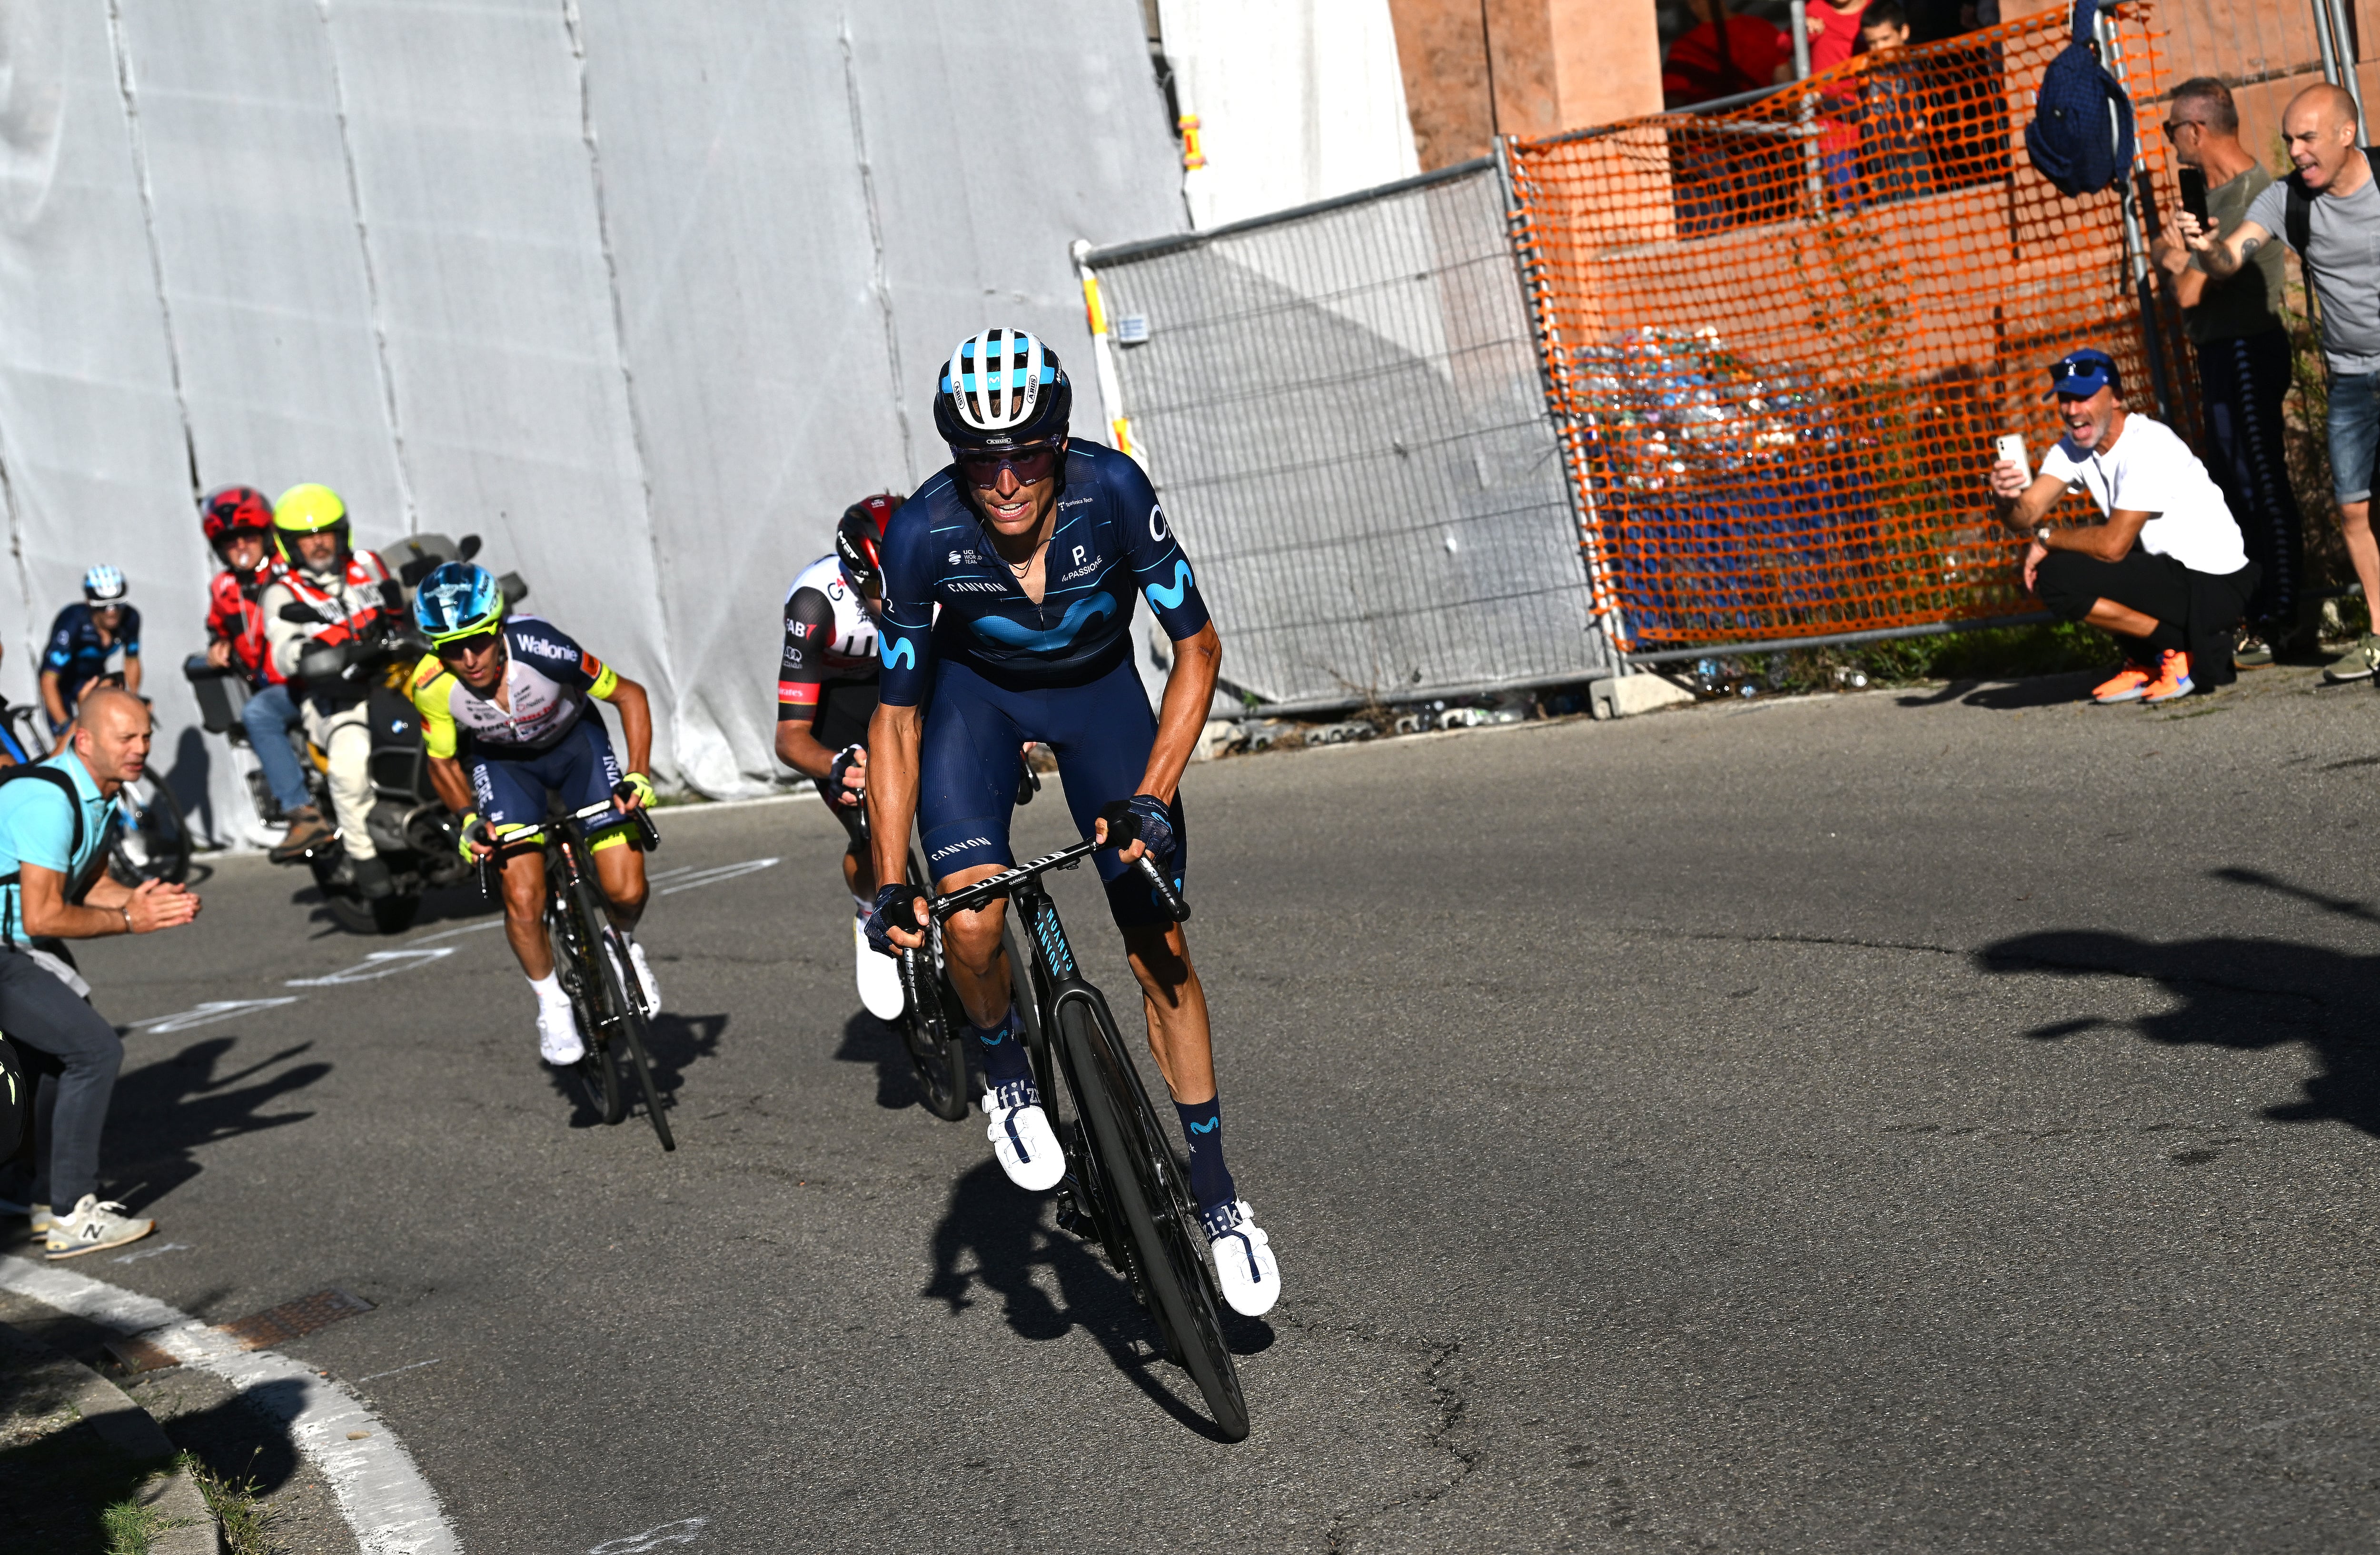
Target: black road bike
pixel 591 956
pixel 1123 1191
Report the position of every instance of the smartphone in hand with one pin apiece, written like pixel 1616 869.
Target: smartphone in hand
pixel 2194 196
pixel 2011 452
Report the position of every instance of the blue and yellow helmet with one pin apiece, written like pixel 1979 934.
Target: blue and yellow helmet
pixel 458 600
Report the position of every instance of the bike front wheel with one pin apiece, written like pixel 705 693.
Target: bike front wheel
pixel 1154 1215
pixel 630 1024
pixel 933 1027
pixel 597 1073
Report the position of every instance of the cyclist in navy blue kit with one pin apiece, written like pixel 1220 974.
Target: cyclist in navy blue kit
pixel 1010 583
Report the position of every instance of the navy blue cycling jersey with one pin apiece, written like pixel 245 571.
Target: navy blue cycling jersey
pixel 1111 543
pixel 75 652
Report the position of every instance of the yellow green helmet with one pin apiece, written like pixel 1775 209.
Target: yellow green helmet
pixel 308 509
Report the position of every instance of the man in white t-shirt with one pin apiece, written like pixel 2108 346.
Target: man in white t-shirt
pixel 2167 570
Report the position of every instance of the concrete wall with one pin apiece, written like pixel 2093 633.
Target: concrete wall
pixel 1554 65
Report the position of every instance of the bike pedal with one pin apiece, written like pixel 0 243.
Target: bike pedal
pixel 1071 1217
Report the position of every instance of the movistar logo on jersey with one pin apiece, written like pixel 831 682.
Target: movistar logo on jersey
pixel 1170 599
pixel 904 652
pixel 1010 634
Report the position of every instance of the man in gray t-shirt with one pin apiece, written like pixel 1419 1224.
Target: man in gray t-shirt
pixel 2342 256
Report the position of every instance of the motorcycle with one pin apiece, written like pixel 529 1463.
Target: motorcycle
pixel 414 832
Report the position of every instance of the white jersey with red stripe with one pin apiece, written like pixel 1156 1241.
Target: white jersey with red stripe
pixel 830 637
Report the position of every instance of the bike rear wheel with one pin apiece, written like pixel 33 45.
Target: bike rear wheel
pixel 150 837
pixel 1141 1180
pixel 597 1073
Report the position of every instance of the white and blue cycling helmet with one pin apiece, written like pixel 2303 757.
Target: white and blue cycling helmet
pixel 1002 389
pixel 104 587
pixel 457 600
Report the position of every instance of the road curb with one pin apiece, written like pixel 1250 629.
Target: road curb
pixel 133 1431
pixel 387 1503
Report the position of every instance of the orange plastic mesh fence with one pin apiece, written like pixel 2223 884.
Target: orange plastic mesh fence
pixel 1781 339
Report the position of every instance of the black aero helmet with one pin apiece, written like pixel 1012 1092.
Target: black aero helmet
pixel 1002 389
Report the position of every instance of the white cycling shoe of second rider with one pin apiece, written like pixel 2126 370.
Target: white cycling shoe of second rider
pixel 558 1041
pixel 1021 1140
pixel 1244 1260
pixel 879 977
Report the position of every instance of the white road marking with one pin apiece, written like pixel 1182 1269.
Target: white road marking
pixel 450 933
pixel 212 1010
pixel 395 1369
pixel 389 1505
pixel 150 1252
pixel 682 1531
pixel 379 964
pixel 681 880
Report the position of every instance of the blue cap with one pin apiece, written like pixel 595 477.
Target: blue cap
pixel 2080 374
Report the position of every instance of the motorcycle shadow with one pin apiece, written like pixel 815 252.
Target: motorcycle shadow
pixel 449 905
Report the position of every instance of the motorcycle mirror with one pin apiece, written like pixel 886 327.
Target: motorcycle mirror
pixel 297 612
pixel 467 547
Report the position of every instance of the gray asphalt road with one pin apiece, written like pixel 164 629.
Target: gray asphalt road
pixel 1882 1123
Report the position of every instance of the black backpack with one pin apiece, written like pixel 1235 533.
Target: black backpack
pixel 2081 137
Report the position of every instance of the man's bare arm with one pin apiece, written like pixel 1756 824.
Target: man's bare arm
pixel 2221 256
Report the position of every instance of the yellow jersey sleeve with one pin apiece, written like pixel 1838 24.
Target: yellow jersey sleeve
pixel 433 690
pixel 605 684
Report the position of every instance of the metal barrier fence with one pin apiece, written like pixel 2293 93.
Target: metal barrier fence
pixel 1781 338
pixel 1343 408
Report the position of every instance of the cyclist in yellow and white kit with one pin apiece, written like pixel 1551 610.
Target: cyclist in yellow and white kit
pixel 505 721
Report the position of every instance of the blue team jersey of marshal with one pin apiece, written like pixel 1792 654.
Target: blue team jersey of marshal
pixel 1110 544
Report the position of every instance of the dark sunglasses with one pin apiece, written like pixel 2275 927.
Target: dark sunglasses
pixel 455 647
pixel 1029 465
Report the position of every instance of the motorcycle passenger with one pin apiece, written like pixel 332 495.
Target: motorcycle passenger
pixel 344 594
pixel 505 722
pixel 85 640
pixel 238 524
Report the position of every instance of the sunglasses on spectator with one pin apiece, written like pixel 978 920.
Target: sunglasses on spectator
pixel 2175 126
pixel 1028 463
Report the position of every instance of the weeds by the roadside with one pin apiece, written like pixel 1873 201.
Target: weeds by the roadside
pixel 245 1522
pixel 129 1526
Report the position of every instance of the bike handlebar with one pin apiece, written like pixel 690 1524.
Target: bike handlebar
pixel 967 897
pixel 505 837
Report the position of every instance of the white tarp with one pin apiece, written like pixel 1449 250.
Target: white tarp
pixel 1297 100
pixel 642 294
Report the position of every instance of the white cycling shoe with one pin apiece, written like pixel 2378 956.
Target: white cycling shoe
pixel 1021 1140
pixel 558 1041
pixel 879 977
pixel 645 982
pixel 1244 1260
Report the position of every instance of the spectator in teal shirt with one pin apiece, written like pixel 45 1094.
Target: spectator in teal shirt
pixel 50 846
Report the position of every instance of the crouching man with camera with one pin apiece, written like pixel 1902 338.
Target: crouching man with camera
pixel 53 827
pixel 2166 574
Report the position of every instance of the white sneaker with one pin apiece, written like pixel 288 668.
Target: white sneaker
pixel 653 991
pixel 558 1041
pixel 1243 1260
pixel 40 1214
pixel 880 979
pixel 1021 1137
pixel 95 1226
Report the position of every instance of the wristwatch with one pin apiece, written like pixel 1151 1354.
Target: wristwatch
pixel 127 911
pixel 2041 535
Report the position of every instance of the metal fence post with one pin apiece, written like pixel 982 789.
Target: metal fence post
pixel 1561 403
pixel 1103 357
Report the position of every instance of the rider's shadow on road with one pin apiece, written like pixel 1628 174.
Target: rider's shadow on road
pixel 164 1111
pixel 993 1236
pixel 2237 992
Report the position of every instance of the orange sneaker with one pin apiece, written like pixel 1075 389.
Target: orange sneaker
pixel 2173 678
pixel 2127 687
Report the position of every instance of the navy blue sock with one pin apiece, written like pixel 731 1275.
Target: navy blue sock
pixel 1003 1050
pixel 1202 1128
